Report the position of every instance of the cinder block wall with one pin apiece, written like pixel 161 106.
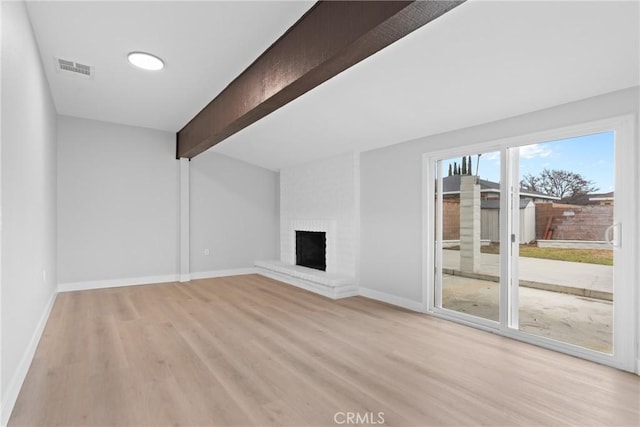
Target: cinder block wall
pixel 571 222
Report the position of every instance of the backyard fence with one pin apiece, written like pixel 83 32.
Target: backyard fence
pixel 556 221
pixel 538 221
pixel 489 221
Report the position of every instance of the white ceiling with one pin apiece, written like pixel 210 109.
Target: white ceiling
pixel 205 45
pixel 483 61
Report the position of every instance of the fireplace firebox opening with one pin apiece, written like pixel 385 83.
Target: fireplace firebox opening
pixel 311 249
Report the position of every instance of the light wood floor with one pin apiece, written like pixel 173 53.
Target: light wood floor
pixel 248 350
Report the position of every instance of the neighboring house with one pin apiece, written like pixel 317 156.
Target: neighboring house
pixel 490 190
pixel 594 199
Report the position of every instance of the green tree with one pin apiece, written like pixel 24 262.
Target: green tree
pixel 450 172
pixel 464 165
pixel 469 167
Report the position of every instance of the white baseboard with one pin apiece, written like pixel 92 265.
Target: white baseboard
pixel 13 389
pixel 392 299
pixel 149 280
pixel 115 283
pixel 223 273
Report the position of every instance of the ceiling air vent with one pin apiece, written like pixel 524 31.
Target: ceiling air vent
pixel 80 70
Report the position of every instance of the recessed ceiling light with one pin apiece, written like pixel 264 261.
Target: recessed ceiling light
pixel 146 61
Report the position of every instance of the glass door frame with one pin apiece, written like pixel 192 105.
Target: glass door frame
pixel 435 259
pixel 626 212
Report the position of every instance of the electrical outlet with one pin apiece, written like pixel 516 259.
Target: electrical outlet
pixel 206 251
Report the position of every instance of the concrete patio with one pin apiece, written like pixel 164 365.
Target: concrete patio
pixel 588 280
pixel 586 322
pixel 578 309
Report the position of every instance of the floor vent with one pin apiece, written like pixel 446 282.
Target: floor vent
pixel 80 70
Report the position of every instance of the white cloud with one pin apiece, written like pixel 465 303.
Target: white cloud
pixel 534 150
pixel 492 156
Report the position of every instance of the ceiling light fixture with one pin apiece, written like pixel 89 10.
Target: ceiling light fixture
pixel 146 61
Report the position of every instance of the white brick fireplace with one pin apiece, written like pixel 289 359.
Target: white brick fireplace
pixel 320 196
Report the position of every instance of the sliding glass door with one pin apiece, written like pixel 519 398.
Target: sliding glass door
pixel 525 237
pixel 566 252
pixel 469 234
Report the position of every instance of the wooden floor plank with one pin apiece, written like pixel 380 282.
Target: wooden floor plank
pixel 248 350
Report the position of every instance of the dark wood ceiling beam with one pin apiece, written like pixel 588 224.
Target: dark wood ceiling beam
pixel 331 37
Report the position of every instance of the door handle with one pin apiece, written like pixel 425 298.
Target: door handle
pixel 614 230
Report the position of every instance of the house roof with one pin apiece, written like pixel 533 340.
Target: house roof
pixel 451 185
pixel 586 199
pixel 495 204
pixel 601 196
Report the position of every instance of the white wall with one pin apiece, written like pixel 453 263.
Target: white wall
pixel 118 207
pixel 117 202
pixel 391 186
pixel 28 200
pixel 326 190
pixel 234 213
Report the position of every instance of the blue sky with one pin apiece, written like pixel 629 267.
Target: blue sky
pixel 589 155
